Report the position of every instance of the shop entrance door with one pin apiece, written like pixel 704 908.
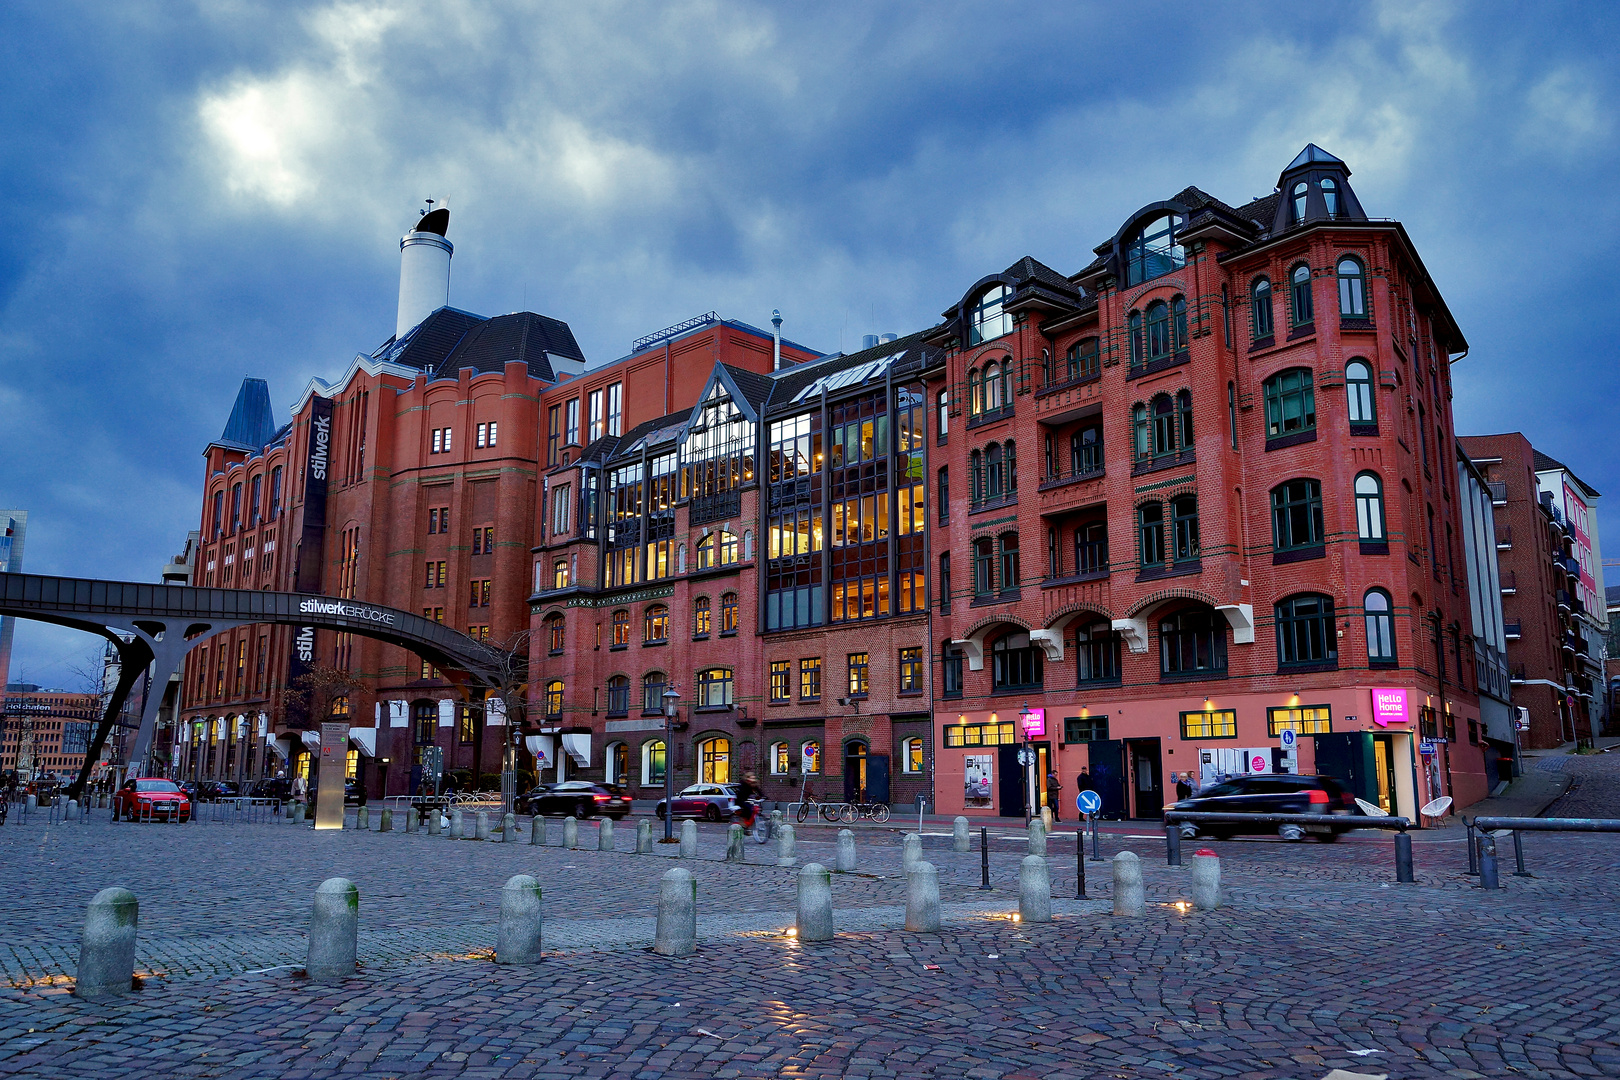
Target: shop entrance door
pixel 1010 783
pixel 855 775
pixel 1384 772
pixel 1043 765
pixel 1107 760
pixel 1147 781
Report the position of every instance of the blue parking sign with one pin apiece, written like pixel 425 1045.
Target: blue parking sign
pixel 1088 802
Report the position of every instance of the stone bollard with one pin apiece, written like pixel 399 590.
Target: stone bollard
pixel 1034 890
pixel 775 825
pixel 31 803
pixel 815 921
pixel 922 899
pixel 411 816
pixel 300 813
pixel 457 821
pixel 688 839
pixel 604 835
pixel 960 840
pixel 107 950
pixel 1206 880
pixel 385 820
pixel 1046 819
pixel 1037 838
pixel 644 840
pixel 481 825
pixel 735 852
pixel 786 850
pixel 435 821
pixel 517 941
pixel 72 811
pixel 508 828
pixel 570 833
pixel 334 928
pixel 1129 899
pixel 362 819
pixel 537 831
pixel 676 934
pixel 846 852
pixel 910 852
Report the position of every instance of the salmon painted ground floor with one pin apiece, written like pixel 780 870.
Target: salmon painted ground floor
pixel 1394 747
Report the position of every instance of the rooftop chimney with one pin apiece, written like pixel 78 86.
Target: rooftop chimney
pixel 776 336
pixel 424 269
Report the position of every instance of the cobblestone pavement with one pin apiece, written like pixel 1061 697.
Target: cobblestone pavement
pixel 1596 790
pixel 1316 954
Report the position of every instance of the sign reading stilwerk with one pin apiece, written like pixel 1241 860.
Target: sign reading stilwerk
pixel 307 579
pixel 362 612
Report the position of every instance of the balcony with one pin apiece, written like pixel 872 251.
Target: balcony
pixel 1498 492
pixel 1563 600
pixel 1511 630
pixel 1072 476
pixel 717 507
pixel 1510 584
pixel 1504 539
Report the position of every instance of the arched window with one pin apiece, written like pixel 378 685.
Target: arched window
pixel 618 689
pixel 653 757
pixel 1096 648
pixel 714 761
pixel 1009 560
pixel 1007 383
pixel 984 562
pixel 1184 527
pixel 1380 627
pixel 1012 468
pixel 653 685
pixel 1330 196
pixel 1352 289
pixel 1150 534
pixel 911 755
pixel 1192 641
pixel 1358 387
pixel 559 574
pixel 987 318
pixel 1301 283
pixel 705 551
pixel 779 757
pixel 994 472
pixel 655 624
pixel 992 388
pixel 1133 331
pixel 1305 631
pixel 1260 308
pixel 1153 250
pixel 976 477
pixel 1142 434
pixel 1370 507
pixel 1015 663
pixel 714 688
pixel 1164 426
pixel 700 617
pixel 975 393
pixel 621 628
pixel 728 547
pixel 810 756
pixel 1178 324
pixel 728 613
pixel 1158 330
pixel 1184 418
pixel 1290 403
pixel 616 763
pixel 1296 515
pixel 555 634
pixel 554 699
pixel 1300 190
pixel 1084 360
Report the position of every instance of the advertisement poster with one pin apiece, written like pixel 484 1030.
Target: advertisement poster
pixel 976 770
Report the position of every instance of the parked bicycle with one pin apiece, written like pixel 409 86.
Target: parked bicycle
pixel 824 810
pixel 877 812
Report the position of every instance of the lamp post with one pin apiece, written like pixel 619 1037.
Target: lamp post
pixel 1024 715
pixel 671 697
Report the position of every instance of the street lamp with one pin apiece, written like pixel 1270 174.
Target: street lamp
pixel 671 698
pixel 1024 717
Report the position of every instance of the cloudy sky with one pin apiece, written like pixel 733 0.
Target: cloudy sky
pixel 198 192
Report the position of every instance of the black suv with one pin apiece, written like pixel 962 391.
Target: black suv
pixel 1274 793
pixel 215 790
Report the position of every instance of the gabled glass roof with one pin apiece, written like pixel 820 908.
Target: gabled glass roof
pixel 1311 153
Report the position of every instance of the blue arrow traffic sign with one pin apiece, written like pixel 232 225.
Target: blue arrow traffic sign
pixel 1088 802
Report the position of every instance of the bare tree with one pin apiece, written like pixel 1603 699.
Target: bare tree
pixel 508 661
pixel 308 699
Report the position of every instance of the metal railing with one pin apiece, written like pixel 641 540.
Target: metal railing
pixel 1482 849
pixel 1403 840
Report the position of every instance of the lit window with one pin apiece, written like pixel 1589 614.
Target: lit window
pixel 858 674
pixel 554 699
pixel 714 689
pixel 988 319
pixel 911 755
pixel 781 675
pixel 1303 720
pixel 1210 724
pixel 655 624
pixel 911 673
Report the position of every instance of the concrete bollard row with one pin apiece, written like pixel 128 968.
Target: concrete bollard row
pixel 334 927
pixel 910 852
pixel 845 861
pixel 922 899
pixel 385 820
pixel 435 821
pixel 960 840
pixel 676 933
pixel 107 949
pixel 1034 890
pixel 644 839
pixel 1206 880
pixel 786 848
pixel 457 824
pixel 1037 838
pixel 570 833
pixel 509 828
pixel 519 934
pixel 1129 898
pixel 480 826
pixel 815 917
pixel 604 835
pixel 537 832
pixel 411 818
pixel 735 851
pixel 689 847
pixel 362 819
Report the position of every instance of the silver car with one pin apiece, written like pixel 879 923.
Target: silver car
pixel 711 802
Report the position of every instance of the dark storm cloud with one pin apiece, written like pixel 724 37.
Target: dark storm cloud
pixel 194 194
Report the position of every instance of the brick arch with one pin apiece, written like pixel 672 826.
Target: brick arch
pixel 1164 596
pixel 991 620
pixel 1066 615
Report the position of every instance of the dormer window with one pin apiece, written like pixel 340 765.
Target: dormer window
pixel 989 319
pixel 1154 251
pixel 1330 195
pixel 1299 202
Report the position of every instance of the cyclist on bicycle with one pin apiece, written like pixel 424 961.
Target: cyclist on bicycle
pixel 748 799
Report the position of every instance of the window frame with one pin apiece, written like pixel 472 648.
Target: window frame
pixel 1293 628
pixel 1291 386
pixel 715 688
pixel 779 684
pixel 1368 506
pixel 1285 508
pixel 1277 718
pixel 859 668
pixel 1352 288
pixel 1301 306
pixel 987 312
pixel 1262 324
pixel 1361 397
pixel 651 618
pixel 1215 724
pixel 1379 626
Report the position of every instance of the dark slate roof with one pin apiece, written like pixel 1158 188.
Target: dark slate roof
pixel 608 446
pixel 1030 269
pixel 1545 462
pixel 1311 153
pixel 523 336
pixel 251 425
pixel 909 352
pixel 426 344
pixel 754 386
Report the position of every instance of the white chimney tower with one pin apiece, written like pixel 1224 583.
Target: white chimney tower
pixel 424 270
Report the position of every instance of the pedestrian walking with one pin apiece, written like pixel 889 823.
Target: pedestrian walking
pixel 1054 791
pixel 1184 786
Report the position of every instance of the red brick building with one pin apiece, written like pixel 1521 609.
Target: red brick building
pixel 1198 493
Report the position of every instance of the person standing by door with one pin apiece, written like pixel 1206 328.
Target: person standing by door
pixel 1054 792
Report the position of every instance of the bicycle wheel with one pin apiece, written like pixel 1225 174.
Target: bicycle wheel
pixel 847 815
pixel 880 813
pixel 830 813
pixel 804 812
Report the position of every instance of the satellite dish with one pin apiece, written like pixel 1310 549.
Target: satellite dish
pixel 1371 809
pixel 1438 807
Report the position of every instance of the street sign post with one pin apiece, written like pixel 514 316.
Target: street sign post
pixel 1289 738
pixel 1088 802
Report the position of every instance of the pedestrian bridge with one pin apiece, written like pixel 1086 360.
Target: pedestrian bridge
pixel 164 622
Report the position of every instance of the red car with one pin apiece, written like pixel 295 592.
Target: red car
pixel 151 799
